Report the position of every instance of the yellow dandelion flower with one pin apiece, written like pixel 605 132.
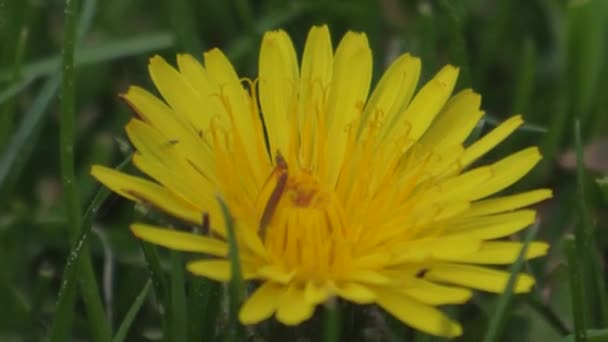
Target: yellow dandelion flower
pixel 335 192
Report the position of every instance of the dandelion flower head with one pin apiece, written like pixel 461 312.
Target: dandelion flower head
pixel 336 191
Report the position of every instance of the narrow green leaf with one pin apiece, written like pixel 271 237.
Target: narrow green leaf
pixel 586 244
pixel 63 315
pixel 19 147
pixel 586 46
pixel 577 295
pixel 96 54
pixel 8 109
pixel 15 88
pixel 159 281
pixel 121 334
pixel 98 323
pixel 27 132
pixel 203 308
pixel 526 127
pixel 236 286
pixel 500 315
pixel 548 314
pixel 524 84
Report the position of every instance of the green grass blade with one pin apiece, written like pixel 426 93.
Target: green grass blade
pixel 100 329
pixel 577 295
pixel 66 146
pixel 500 315
pixel 159 281
pixel 15 88
pixel 524 85
pixel 586 244
pixel 20 145
pixel 60 328
pixel 8 109
pixel 331 329
pixel 236 286
pixel 586 42
pixel 27 131
pixel 121 334
pixel 526 127
pixel 179 315
pixel 203 308
pixel 547 314
pixel 99 53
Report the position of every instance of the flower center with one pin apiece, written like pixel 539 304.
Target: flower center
pixel 302 224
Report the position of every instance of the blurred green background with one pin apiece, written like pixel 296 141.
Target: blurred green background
pixel 545 59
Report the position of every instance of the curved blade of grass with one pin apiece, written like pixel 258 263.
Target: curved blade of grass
pixel 8 109
pixel 577 294
pixel 20 145
pixel 239 47
pixel 547 314
pixel 236 286
pixel 64 310
pixel 500 314
pixel 15 88
pixel 526 127
pixel 97 54
pixel 27 131
pixel 121 334
pixel 155 271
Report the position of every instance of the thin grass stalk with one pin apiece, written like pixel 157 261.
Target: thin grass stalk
pixel 95 54
pixel 577 295
pixel 121 334
pixel 98 323
pixel 236 286
pixel 331 328
pixel 500 315
pixel 547 314
pixel 203 308
pixel 586 244
pixel 8 112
